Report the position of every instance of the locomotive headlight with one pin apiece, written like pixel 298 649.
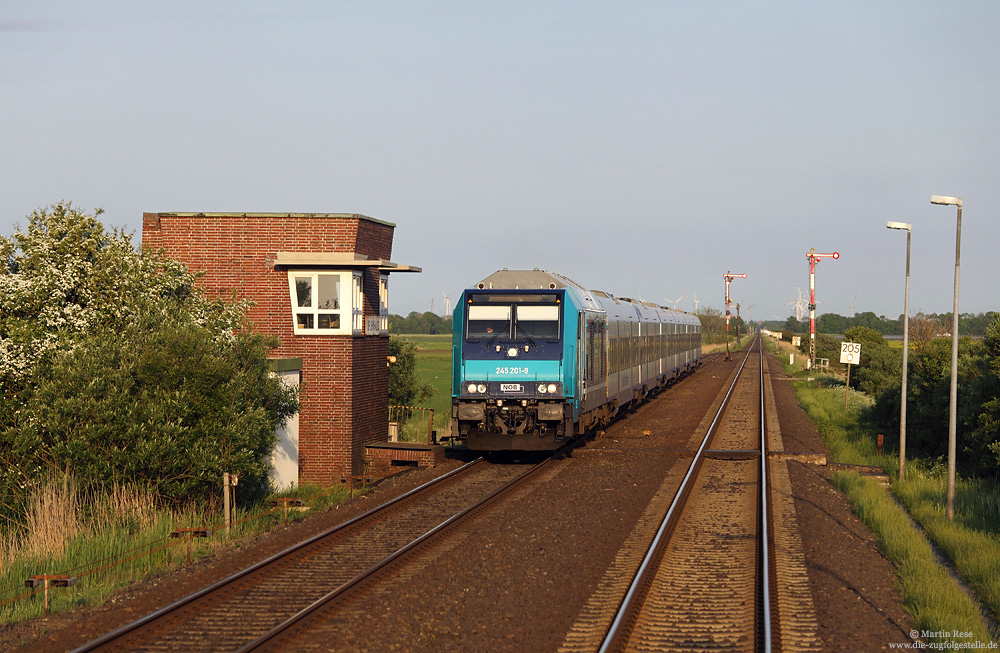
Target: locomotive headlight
pixel 512 352
pixel 541 389
pixel 481 388
pixel 551 388
pixel 472 388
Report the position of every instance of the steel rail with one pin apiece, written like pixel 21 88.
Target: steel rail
pixel 765 518
pixel 620 627
pixel 369 514
pixel 279 630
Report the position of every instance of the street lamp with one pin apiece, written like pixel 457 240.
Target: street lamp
pixel 953 403
pixel 906 350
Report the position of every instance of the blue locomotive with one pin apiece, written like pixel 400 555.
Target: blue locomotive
pixel 538 359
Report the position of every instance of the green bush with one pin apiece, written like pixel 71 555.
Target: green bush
pixel 115 367
pixel 880 367
pixel 928 404
pixel 164 405
pixel 406 387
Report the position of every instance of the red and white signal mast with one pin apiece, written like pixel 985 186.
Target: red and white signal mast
pixel 729 276
pixel 814 258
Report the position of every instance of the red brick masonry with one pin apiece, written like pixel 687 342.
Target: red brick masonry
pixel 383 456
pixel 344 378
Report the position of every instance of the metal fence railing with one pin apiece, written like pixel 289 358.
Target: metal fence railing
pixel 411 424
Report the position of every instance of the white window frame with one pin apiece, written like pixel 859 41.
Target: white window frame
pixel 350 302
pixel 383 304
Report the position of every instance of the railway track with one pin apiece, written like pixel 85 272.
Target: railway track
pixel 688 600
pixel 274 598
pixel 706 577
pixel 704 581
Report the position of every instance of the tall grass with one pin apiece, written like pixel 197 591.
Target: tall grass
pixel 86 535
pixel 112 537
pixel 849 442
pixel 51 520
pixel 971 543
pixel 929 593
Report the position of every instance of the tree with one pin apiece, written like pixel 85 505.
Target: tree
pixel 826 347
pixel 415 323
pixel 792 324
pixel 928 397
pixel 713 324
pixel 66 275
pixel 983 444
pixel 165 404
pixel 923 329
pixel 406 387
pixel 831 323
pixel 115 365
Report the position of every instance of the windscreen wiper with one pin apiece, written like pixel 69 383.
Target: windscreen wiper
pixel 518 329
pixel 493 339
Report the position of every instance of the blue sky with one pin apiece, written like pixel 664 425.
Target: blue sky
pixel 642 148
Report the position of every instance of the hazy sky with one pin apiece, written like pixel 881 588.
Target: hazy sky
pixel 641 148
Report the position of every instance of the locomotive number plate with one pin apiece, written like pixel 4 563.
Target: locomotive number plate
pixel 510 387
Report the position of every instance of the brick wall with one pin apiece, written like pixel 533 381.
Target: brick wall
pixel 344 378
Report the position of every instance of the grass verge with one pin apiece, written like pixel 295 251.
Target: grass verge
pixel 934 599
pixel 110 540
pixel 940 609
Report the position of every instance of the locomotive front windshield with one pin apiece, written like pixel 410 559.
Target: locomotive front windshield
pixel 521 319
pixel 489 322
pixel 537 322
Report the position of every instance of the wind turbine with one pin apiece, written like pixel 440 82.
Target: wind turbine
pixel 696 302
pixel 673 302
pixel 799 304
pixel 852 304
pixel 447 303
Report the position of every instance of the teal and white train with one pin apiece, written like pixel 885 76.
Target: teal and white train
pixel 538 359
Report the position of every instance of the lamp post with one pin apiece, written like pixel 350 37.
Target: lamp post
pixel 953 402
pixel 728 277
pixel 813 260
pixel 906 350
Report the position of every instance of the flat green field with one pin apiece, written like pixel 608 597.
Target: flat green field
pixel 434 363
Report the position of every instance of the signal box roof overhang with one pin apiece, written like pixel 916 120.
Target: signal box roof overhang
pixel 256 214
pixel 340 260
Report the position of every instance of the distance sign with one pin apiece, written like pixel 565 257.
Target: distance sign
pixel 850 352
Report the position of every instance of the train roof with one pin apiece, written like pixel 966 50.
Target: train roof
pixel 527 279
pixel 537 279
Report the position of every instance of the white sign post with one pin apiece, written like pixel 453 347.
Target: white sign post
pixel 850 353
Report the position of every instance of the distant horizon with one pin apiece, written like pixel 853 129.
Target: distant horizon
pixel 773 319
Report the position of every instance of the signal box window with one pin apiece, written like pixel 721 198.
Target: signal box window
pixel 322 301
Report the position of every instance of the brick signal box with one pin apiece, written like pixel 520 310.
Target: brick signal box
pixel 319 281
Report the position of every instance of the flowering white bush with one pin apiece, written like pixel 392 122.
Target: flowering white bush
pixel 65 275
pixel 114 364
